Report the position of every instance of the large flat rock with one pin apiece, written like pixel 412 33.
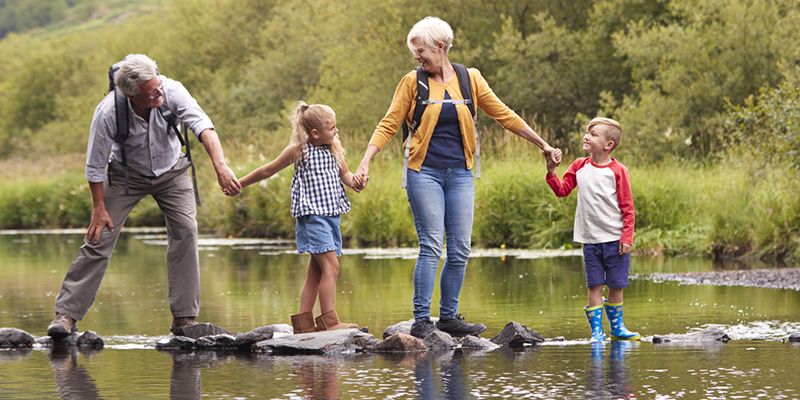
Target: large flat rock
pixel 341 341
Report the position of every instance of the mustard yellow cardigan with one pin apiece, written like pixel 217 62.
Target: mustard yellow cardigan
pixel 403 103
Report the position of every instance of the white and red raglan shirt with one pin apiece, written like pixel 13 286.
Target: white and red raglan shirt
pixel 605 210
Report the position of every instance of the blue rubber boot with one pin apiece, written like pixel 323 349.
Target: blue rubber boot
pixel 595 317
pixel 618 330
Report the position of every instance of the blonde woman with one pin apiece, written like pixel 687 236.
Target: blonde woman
pixel 442 152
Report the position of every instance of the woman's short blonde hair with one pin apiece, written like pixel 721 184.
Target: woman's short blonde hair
pixel 431 30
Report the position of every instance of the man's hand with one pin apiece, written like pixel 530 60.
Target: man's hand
pixel 228 182
pixel 100 220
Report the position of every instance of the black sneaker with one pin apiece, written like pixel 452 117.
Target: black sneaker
pixel 458 327
pixel 422 327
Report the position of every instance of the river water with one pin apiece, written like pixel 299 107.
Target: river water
pixel 249 283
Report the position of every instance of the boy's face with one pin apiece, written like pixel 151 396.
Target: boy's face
pixel 595 140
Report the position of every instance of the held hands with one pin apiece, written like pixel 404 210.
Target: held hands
pixel 553 158
pixel 361 177
pixel 227 181
pixel 100 220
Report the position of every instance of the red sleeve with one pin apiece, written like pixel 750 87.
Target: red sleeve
pixel 625 201
pixel 563 187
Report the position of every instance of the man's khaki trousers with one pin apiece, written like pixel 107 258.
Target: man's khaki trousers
pixel 175 197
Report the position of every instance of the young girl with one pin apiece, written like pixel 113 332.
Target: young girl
pixel 318 200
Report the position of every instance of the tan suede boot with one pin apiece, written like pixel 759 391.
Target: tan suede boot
pixel 303 323
pixel 330 321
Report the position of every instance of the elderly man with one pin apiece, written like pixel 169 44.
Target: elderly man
pixel 151 163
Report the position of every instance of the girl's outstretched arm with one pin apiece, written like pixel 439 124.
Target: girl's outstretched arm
pixel 271 168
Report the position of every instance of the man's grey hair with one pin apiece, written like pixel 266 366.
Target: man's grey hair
pixel 134 70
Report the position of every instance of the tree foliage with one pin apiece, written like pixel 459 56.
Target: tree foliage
pixel 665 68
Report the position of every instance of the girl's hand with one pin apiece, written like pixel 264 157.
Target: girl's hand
pixel 362 173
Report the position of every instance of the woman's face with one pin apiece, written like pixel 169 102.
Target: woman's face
pixel 430 58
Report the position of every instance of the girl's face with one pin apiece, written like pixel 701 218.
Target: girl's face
pixel 327 132
pixel 430 58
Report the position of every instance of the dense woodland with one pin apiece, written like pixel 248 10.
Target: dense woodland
pixel 706 91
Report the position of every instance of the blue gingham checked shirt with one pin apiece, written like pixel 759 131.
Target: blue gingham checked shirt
pixel 317 188
pixel 151 150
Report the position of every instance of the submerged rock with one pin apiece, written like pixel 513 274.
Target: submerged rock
pixel 439 341
pixel 401 327
pixel 795 337
pixel 177 343
pixel 515 334
pixel 245 341
pixel 88 339
pixel 400 343
pixel 475 343
pixel 15 338
pixel 326 342
pixel 200 330
pixel 222 341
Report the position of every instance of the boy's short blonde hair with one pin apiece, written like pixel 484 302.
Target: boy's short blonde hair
pixel 613 131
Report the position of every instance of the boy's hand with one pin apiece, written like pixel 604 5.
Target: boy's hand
pixel 551 165
pixel 625 248
pixel 552 154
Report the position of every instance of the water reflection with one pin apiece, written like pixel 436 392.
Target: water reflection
pixel 72 380
pixel 612 380
pixel 448 383
pixel 317 377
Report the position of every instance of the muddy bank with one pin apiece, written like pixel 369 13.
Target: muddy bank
pixel 773 278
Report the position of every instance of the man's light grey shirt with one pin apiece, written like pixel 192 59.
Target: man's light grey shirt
pixel 151 149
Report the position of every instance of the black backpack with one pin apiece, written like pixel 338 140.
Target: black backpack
pixel 423 92
pixel 121 135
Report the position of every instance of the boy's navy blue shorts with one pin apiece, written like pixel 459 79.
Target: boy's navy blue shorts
pixel 605 266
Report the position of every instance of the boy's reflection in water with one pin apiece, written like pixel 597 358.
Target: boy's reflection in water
pixel 612 380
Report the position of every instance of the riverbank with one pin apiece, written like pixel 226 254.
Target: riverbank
pixel 773 278
pixel 680 209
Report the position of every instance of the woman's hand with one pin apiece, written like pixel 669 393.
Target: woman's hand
pixel 362 174
pixel 552 154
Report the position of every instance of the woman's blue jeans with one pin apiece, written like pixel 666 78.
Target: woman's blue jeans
pixel 442 203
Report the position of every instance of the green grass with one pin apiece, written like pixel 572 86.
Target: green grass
pixel 725 210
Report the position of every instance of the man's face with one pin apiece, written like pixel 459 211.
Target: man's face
pixel 151 94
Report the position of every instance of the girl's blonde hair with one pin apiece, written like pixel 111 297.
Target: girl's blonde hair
pixel 307 117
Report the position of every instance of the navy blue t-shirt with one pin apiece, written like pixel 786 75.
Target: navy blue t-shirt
pixel 446 149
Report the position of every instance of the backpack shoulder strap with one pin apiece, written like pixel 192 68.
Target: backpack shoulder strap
pixel 465 85
pixel 423 92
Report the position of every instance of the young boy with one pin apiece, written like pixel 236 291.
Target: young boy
pixel 604 222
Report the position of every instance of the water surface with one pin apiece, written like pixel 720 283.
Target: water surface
pixel 249 283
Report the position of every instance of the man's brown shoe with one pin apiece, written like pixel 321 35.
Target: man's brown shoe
pixel 61 327
pixel 181 322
